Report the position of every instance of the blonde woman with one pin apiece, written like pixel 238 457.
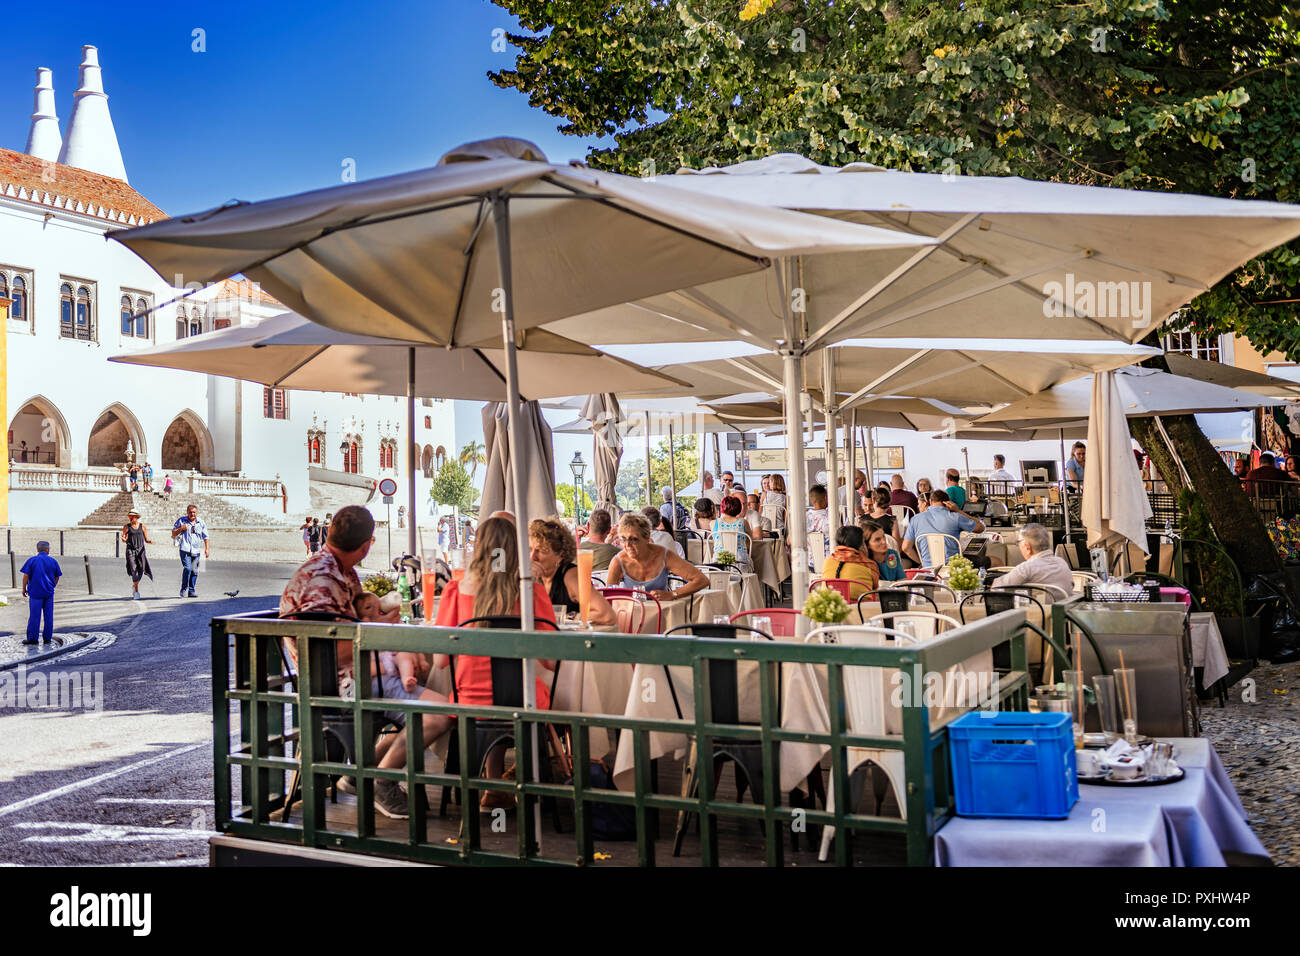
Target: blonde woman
pixel 554 553
pixel 642 564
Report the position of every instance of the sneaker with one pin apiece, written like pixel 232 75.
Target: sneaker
pixel 182 592
pixel 347 785
pixel 389 800
pixel 192 594
pixel 135 595
pixel 29 641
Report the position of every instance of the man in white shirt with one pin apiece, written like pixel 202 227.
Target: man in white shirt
pixel 1000 472
pixel 759 527
pixel 713 494
pixel 659 533
pixel 1040 566
pixel 819 521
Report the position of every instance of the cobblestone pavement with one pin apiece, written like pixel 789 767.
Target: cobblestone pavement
pixel 1259 742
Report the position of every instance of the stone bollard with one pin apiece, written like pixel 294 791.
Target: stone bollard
pixel 90 584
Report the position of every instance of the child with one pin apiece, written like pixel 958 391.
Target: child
pixel 41 575
pixel 404 667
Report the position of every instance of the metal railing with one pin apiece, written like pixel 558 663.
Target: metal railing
pixel 266 748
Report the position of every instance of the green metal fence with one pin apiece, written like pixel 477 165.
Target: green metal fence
pixel 265 731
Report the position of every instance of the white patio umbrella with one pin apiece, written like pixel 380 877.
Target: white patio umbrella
pixel 410 256
pixel 1016 259
pixel 603 414
pixel 1143 393
pixel 290 351
pixel 534 456
pixel 1115 504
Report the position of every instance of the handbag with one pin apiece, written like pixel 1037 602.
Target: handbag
pixel 611 822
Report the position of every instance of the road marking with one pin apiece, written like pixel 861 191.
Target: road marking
pixel 91 781
pixel 154 800
pixel 109 833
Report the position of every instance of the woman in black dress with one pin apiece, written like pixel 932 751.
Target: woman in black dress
pixel 136 536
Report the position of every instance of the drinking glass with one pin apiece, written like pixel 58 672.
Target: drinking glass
pixel 1126 690
pixel 1107 706
pixel 559 611
pixel 764 624
pixel 721 619
pixel 1075 692
pixel 428 582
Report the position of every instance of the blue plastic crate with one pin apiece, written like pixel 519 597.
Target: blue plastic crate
pixel 1013 764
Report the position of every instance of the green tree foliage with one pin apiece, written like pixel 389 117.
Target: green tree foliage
pixel 453 487
pixel 686 459
pixel 564 494
pixel 472 455
pixel 1189 95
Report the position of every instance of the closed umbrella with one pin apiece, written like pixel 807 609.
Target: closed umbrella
pixel 1115 504
pixel 533 455
pixel 602 411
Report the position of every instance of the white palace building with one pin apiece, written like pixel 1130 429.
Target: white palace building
pixel 251 455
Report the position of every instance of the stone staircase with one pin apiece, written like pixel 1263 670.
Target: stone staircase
pixel 158 513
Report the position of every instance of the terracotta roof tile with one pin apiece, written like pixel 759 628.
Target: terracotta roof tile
pixel 66 187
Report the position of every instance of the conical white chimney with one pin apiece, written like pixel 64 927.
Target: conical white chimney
pixel 92 141
pixel 44 139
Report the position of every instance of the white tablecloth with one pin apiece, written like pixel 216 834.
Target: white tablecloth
pixel 1189 823
pixel 770 559
pixel 1207 647
pixel 593 687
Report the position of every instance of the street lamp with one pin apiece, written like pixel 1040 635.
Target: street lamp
pixel 579 468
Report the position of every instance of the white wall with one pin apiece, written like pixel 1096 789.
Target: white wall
pixel 52 509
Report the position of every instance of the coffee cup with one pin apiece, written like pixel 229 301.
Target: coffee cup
pixel 1089 763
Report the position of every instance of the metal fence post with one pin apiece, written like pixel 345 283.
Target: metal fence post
pixel 90 584
pixel 117 545
pixel 60 542
pixel 13 568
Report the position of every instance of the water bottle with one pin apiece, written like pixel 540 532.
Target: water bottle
pixel 404 589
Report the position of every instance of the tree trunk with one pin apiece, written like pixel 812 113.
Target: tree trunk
pixel 1235 520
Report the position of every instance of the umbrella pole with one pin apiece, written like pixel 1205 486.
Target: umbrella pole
pixel 832 470
pixel 797 492
pixel 501 220
pixel 649 480
pixel 410 450
pixel 1065 490
pixel 672 475
pixel 850 452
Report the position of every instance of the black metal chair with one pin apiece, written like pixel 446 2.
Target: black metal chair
pixel 507 691
pixel 338 730
pixel 928 588
pixel 724 700
pixel 997 600
pixel 894 600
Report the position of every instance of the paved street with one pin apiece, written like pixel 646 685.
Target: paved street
pixel 130 783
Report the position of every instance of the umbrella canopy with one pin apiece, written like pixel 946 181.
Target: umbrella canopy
pixel 536 458
pixel 958 372
pixel 1018 258
pixel 290 351
pixel 603 413
pixel 1230 376
pixel 1115 504
pixel 411 256
pixel 1143 393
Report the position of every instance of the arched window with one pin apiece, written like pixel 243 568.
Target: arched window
pixel 196 321
pixel 85 318
pixel 18 299
pixel 65 311
pixel 128 323
pixel 352 458
pixel 313 452
pixel 4 287
pixel 141 319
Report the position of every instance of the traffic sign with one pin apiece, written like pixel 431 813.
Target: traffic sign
pixel 388 487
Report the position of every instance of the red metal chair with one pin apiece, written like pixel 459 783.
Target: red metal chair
pixel 843 585
pixel 783 619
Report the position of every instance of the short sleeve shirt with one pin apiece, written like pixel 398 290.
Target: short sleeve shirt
pixel 1074 470
pixel 44 572
pixel 958 495
pixel 320 584
pixel 937 520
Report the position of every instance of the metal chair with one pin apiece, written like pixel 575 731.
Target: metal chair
pixel 937 623
pixel 817 549
pixel 1082 578
pixel 936 543
pixel 724 702
pixel 783 619
pixel 732 541
pixel 630 612
pixel 997 600
pixel 894 600
pixel 843 585
pixel 937 591
pixel 507 691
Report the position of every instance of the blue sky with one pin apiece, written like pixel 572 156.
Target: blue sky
pixel 284 93
pixel 282 96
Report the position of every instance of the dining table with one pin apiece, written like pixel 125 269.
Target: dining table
pixel 769 557
pixel 1195 821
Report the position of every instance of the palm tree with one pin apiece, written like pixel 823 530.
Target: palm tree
pixel 472 455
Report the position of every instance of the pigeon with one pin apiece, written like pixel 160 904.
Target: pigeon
pixel 234 593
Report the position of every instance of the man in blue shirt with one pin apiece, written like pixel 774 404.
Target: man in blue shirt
pixel 191 537
pixel 942 517
pixel 956 493
pixel 41 575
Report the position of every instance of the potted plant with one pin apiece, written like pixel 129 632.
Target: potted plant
pixel 724 558
pixel 826 606
pixel 962 576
